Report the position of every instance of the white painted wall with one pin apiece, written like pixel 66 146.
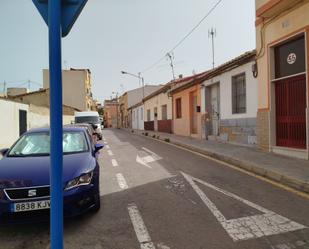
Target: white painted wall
pixel 158 101
pixel 9 125
pixel 138 118
pixel 225 80
pixel 135 96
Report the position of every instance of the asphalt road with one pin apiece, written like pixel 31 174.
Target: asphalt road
pixel 155 195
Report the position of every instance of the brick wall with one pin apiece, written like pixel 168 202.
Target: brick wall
pixel 149 126
pixel 165 126
pixel 262 129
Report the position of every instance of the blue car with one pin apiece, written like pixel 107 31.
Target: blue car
pixel 25 175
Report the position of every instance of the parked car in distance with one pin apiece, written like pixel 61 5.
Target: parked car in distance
pixel 89 118
pixel 90 129
pixel 25 178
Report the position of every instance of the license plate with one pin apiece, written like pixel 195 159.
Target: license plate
pixel 30 206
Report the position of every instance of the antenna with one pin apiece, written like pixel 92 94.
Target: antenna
pixel 170 56
pixel 213 33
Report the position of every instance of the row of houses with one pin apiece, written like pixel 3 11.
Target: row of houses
pixel 219 104
pixel 259 98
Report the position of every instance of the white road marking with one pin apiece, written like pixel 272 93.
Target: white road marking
pixel 122 181
pixel 149 151
pixel 154 155
pixel 140 228
pixel 114 163
pixel 141 161
pixel 162 246
pixel 110 153
pixel 245 228
pixel 107 146
pixel 147 159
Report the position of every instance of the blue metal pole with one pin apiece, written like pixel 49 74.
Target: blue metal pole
pixel 56 157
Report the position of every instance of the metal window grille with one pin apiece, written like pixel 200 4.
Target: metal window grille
pixel 148 115
pixel 164 112
pixel 239 94
pixel 178 108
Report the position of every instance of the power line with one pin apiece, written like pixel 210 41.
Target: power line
pixel 185 37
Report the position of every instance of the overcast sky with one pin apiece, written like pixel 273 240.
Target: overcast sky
pixel 130 35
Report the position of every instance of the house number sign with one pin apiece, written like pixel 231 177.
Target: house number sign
pixel 291 58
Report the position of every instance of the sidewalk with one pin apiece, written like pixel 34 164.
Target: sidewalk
pixel 290 172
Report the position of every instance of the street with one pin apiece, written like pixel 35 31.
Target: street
pixel 155 195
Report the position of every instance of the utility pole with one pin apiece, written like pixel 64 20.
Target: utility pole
pixel 29 85
pixel 143 83
pixel 212 33
pixel 4 87
pixel 171 57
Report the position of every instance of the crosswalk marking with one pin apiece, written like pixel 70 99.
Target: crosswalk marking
pixel 114 163
pixel 140 228
pixel 122 181
pixel 256 226
pixel 110 153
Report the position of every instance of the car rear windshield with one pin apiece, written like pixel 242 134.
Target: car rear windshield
pixel 38 144
pixel 87 119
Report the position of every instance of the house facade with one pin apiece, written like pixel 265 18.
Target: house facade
pixel 111 113
pixel 282 29
pixel 123 111
pixel 130 99
pixel 229 101
pixel 76 88
pixel 158 110
pixel 186 97
pixel 137 113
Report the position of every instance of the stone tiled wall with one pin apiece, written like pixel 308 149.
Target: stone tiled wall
pixel 149 126
pixel 242 130
pixel 262 129
pixel 165 126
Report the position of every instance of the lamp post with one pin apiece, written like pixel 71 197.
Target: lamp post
pixel 139 77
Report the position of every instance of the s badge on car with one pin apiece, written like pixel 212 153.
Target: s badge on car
pixel 32 192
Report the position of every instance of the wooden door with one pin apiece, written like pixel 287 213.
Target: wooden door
pixel 193 112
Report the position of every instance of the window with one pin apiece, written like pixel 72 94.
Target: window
pixel 142 114
pixel 178 108
pixel 164 112
pixel 239 94
pixel 148 115
pixel 38 144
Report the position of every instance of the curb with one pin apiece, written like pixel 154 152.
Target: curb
pixel 245 165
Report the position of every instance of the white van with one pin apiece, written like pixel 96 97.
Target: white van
pixel 90 118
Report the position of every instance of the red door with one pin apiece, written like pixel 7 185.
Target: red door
pixel 291 112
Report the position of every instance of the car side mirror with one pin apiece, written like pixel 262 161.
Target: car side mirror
pixel 4 151
pixel 98 147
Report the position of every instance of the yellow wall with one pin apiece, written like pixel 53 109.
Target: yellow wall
pixel 279 29
pixel 182 126
pixel 76 87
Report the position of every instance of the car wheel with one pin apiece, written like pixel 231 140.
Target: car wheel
pixel 97 204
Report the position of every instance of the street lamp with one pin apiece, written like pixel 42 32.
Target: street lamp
pixel 140 79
